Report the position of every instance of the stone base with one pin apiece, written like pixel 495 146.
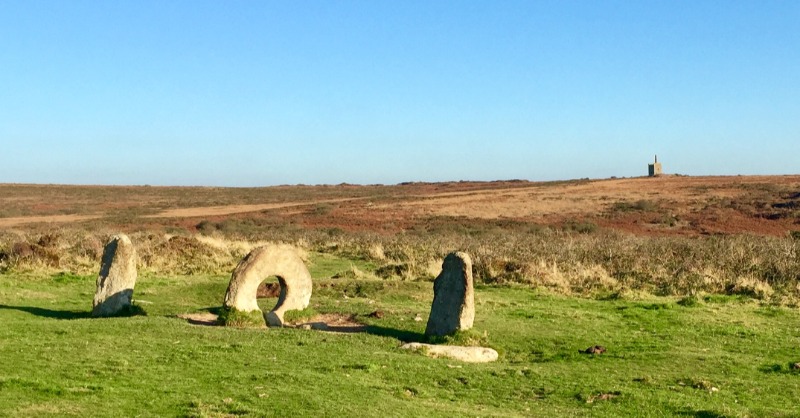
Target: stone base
pixel 460 353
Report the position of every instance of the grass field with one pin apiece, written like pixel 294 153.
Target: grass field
pixel 709 356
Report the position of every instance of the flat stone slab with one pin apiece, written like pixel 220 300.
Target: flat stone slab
pixel 455 352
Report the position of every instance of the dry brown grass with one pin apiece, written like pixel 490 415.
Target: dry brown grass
pixel 601 263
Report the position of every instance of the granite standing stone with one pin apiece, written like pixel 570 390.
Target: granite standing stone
pixel 116 279
pixel 453 305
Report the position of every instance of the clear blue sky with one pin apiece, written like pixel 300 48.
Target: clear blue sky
pixel 249 93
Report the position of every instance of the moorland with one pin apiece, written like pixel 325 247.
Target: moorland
pixel 691 283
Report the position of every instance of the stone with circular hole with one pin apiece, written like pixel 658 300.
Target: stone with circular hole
pixel 281 261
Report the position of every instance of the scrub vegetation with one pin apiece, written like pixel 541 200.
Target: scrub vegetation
pixel 566 261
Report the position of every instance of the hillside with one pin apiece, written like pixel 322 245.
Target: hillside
pixel 668 205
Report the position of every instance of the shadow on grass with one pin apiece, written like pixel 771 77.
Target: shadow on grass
pixel 49 313
pixel 702 414
pixel 399 334
pixel 129 310
pixel 132 310
pixel 402 335
pixel 790 368
pixel 216 310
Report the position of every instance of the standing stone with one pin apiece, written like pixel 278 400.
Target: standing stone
pixel 116 279
pixel 273 260
pixel 453 305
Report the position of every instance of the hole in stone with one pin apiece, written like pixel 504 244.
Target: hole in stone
pixel 270 293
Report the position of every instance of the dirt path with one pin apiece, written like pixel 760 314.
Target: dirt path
pixel 172 213
pixel 231 209
pixel 22 220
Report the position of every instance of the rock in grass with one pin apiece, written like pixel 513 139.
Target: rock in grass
pixel 465 354
pixel 376 314
pixel 272 260
pixel 116 279
pixel 453 307
pixel 595 349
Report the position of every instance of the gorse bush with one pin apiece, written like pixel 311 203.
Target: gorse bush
pixel 637 206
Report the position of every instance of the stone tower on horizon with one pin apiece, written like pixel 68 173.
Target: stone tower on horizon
pixel 654 169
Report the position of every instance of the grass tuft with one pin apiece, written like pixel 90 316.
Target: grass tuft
pixel 232 317
pixel 299 315
pixel 469 338
pixel 690 301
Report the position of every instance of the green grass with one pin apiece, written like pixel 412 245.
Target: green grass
pixel 323 265
pixel 233 317
pixel 716 356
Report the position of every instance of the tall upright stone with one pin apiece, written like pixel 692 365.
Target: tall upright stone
pixel 453 305
pixel 273 260
pixel 116 279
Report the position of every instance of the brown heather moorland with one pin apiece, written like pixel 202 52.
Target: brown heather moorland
pixel 669 235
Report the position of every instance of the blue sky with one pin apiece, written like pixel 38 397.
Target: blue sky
pixel 252 93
